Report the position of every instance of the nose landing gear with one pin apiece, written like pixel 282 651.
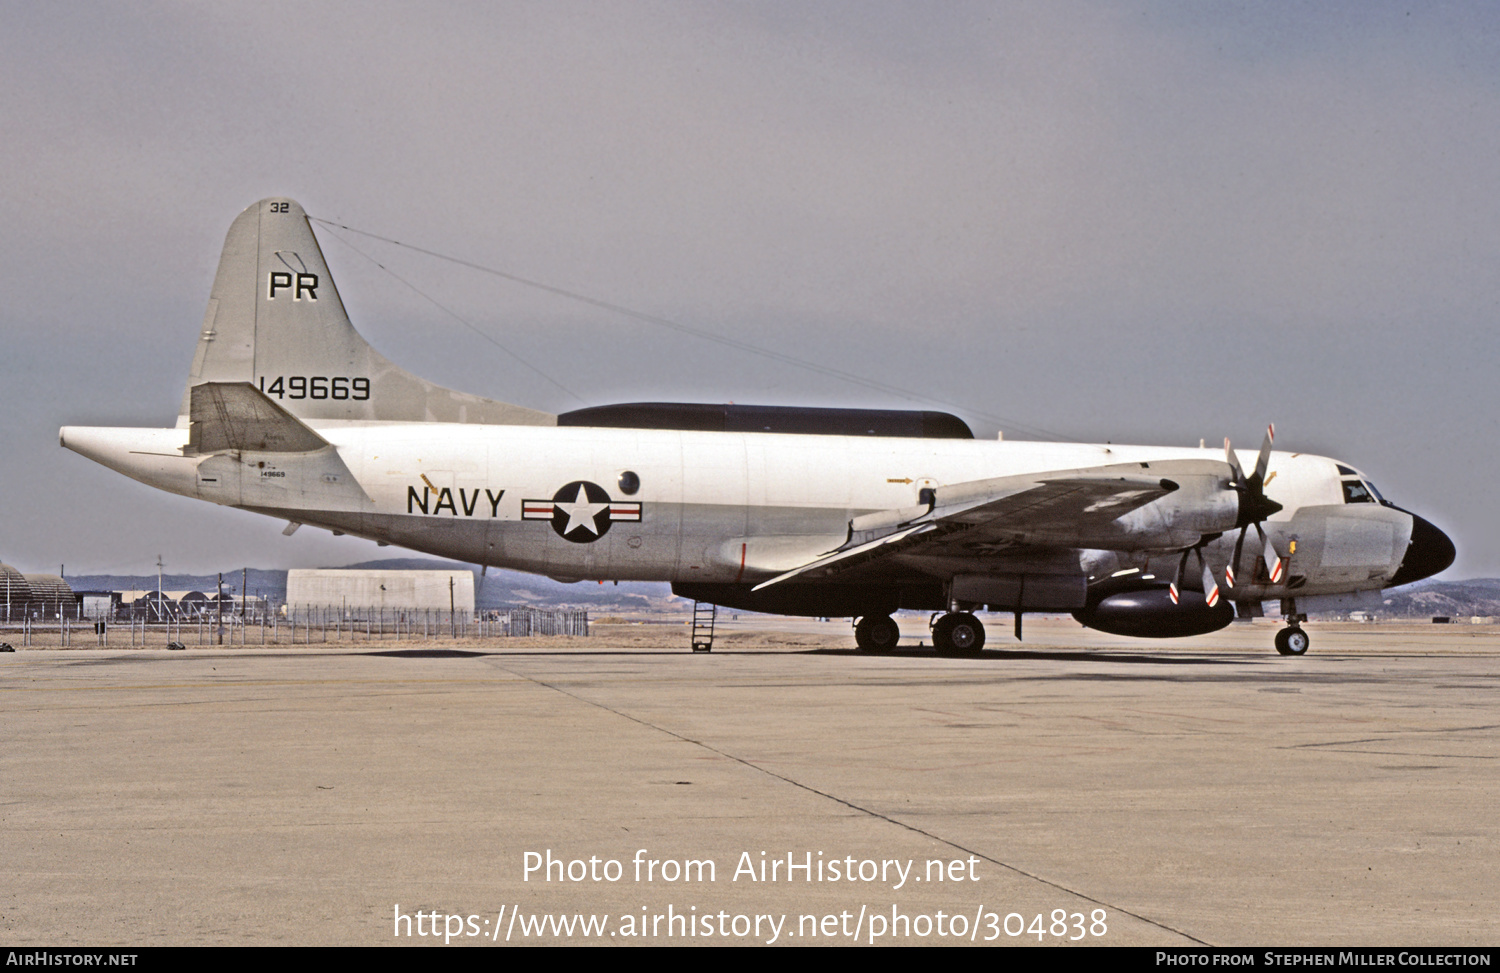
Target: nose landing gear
pixel 1292 640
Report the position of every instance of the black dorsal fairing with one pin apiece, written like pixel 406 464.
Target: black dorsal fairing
pixel 795 420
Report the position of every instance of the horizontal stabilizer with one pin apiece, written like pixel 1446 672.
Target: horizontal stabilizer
pixel 237 415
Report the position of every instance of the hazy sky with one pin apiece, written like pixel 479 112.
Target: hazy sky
pixel 1152 222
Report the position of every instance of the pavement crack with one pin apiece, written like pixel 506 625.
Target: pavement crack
pixel 845 802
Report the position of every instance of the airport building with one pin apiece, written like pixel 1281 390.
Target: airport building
pixel 34 595
pixel 400 590
pixel 163 606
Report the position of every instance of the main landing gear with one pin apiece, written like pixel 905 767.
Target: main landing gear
pixel 958 633
pixel 955 633
pixel 877 634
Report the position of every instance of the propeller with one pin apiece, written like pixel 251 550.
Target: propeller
pixel 1255 507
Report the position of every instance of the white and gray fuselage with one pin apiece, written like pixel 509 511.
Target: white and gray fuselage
pixel 707 506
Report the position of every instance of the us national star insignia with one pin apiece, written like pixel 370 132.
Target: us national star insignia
pixel 580 512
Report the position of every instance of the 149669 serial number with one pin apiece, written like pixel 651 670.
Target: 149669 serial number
pixel 317 387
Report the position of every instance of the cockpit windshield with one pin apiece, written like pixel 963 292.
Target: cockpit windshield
pixel 1362 491
pixel 1357 489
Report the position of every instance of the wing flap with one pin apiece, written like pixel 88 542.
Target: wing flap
pixel 847 556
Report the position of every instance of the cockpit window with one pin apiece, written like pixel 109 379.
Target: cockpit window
pixel 1346 471
pixel 1357 492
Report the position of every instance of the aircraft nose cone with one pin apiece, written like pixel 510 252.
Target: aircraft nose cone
pixel 1429 552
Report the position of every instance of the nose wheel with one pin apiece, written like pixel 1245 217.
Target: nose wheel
pixel 958 633
pixel 876 634
pixel 1292 641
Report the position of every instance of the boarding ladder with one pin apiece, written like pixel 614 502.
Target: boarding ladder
pixel 703 626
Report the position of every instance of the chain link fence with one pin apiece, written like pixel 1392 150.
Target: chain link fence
pixel 300 626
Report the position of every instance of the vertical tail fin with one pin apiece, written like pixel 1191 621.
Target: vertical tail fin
pixel 275 320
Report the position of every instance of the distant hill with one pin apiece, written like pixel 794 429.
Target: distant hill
pixel 1457 599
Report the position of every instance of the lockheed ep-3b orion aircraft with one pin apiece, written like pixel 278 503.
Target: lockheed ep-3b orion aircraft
pixel 288 412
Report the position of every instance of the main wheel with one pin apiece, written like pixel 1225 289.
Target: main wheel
pixel 877 634
pixel 1292 641
pixel 958 633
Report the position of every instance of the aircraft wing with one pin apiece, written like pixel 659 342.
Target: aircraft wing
pixel 1062 509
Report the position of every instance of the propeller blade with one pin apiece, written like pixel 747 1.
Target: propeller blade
pixel 1210 587
pixel 1273 563
pixel 1174 590
pixel 1264 459
pixel 1239 547
pixel 1234 463
pixel 1229 576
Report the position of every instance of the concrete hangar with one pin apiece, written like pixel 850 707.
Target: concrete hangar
pixel 34 595
pixel 378 589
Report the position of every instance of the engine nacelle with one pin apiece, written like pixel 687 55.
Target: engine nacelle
pixel 1144 609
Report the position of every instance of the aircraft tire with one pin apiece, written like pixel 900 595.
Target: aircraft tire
pixel 958 633
pixel 1292 641
pixel 876 634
